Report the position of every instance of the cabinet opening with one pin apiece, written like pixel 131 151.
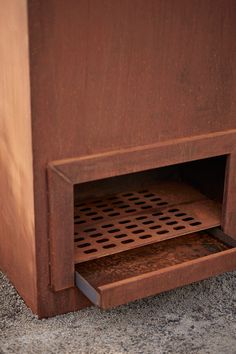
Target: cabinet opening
pixel 121 213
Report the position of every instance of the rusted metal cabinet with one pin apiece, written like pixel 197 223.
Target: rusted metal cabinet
pixel 118 138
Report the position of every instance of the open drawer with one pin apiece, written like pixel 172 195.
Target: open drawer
pixel 151 269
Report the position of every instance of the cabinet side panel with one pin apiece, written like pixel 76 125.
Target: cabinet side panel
pixel 17 244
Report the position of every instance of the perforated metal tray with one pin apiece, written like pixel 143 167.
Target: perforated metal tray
pixel 123 221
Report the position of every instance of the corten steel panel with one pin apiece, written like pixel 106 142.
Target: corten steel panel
pixel 110 76
pixel 229 205
pixel 17 244
pixel 107 75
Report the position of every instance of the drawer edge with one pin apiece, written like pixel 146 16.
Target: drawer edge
pixel 148 284
pixel 89 291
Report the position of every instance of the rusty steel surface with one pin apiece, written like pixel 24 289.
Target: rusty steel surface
pixel 106 88
pixel 131 219
pixel 149 258
pixel 149 270
pixel 163 72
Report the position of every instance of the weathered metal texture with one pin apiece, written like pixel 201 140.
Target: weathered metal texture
pixel 148 270
pixel 115 87
pixel 61 267
pixel 132 219
pixel 229 205
pixel 139 158
pixel 17 231
pixel 133 85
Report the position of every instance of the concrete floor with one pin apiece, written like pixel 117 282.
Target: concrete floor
pixel 196 319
